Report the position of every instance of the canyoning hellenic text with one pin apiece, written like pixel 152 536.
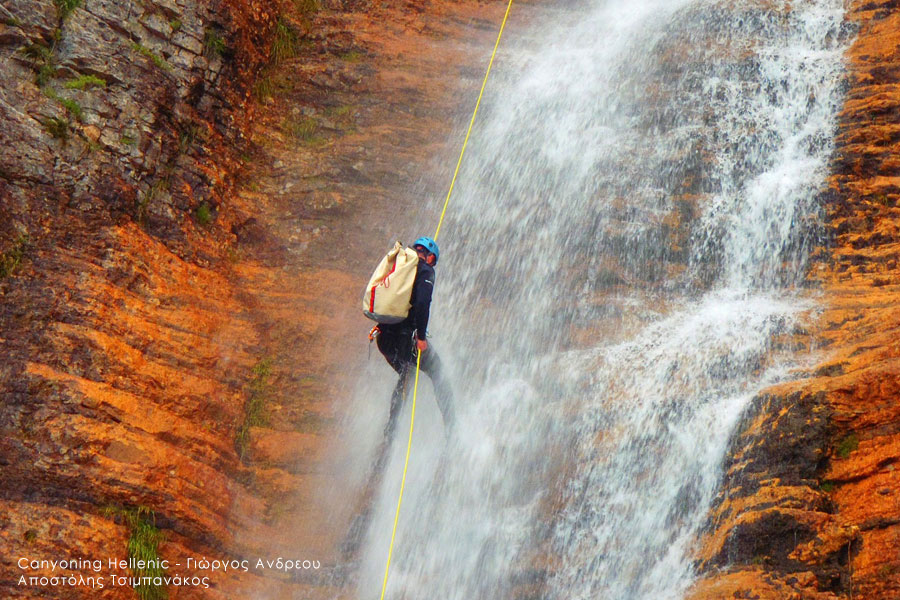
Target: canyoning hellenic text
pixel 132 572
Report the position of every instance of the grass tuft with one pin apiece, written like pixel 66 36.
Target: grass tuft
pixel 148 197
pixel 847 446
pixel 155 58
pixel 44 74
pixel 263 88
pixel 188 133
pixel 37 52
pixel 143 545
pixel 83 82
pixel 72 107
pixel 285 42
pixel 307 7
pixel 214 44
pixel 254 408
pixel 64 8
pixel 41 57
pixel 58 128
pixel 352 56
pixel 340 111
pixel 303 129
pixel 204 214
pixel 12 258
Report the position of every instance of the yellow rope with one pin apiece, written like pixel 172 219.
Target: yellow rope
pixel 412 419
pixel 472 121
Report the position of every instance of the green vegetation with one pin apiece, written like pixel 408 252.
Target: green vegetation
pixel 340 111
pixel 344 116
pixel 303 129
pixel 155 58
pixel 143 545
pixel 214 44
pixel 83 82
pixel 58 128
pixel 12 258
pixel 203 214
pixel 12 22
pixel 128 140
pixel 30 536
pixel 64 8
pixel 175 24
pixel 827 486
pixel 847 446
pixel 149 195
pixel 307 7
pixel 353 56
pixel 285 42
pixel 72 107
pixel 41 57
pixel 254 408
pixel 264 87
pixel 187 135
pixel 37 51
pixel 45 72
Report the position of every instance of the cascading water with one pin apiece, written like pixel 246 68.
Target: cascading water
pixel 622 258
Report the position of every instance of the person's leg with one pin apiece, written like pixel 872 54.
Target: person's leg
pixel 397 398
pixel 443 393
pixel 396 347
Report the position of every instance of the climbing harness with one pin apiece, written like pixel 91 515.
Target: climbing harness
pixel 412 418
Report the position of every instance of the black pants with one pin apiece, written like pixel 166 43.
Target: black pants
pixel 398 348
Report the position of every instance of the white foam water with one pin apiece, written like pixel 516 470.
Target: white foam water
pixel 621 264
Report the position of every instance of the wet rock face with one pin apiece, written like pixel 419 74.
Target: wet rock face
pixel 145 310
pixel 120 107
pixel 809 504
pixel 771 505
pixel 121 377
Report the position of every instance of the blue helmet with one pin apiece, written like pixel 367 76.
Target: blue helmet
pixel 430 245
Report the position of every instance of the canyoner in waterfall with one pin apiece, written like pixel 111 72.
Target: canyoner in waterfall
pixel 398 297
pixel 401 335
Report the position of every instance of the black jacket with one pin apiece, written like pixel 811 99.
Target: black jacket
pixel 423 287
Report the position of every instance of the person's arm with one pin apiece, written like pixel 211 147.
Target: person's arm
pixel 422 306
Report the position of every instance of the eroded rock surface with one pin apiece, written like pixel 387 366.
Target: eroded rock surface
pixel 169 196
pixel 810 505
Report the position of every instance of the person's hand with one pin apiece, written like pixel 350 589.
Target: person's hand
pixel 422 345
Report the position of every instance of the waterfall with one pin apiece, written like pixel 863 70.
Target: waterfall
pixel 622 269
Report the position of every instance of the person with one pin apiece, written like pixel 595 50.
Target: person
pixel 399 342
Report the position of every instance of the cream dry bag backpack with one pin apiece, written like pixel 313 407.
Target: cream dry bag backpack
pixel 387 297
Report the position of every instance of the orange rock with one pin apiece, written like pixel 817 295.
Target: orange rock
pixel 851 543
